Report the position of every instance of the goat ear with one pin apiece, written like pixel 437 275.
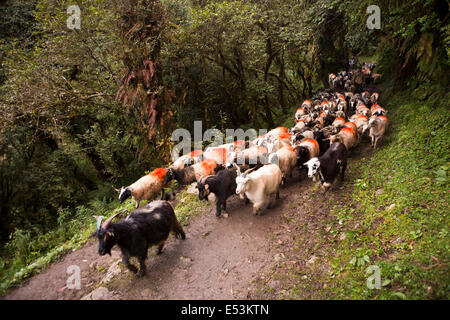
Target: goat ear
pixel 118 190
pixel 206 186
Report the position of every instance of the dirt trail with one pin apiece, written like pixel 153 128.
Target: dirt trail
pixel 220 259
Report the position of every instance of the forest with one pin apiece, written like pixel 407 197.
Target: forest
pixel 88 109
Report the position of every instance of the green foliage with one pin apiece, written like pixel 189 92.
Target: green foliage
pixel 418 32
pixel 236 62
pixel 29 250
pixel 17 19
pixel 64 139
pixel 188 206
pixel 142 29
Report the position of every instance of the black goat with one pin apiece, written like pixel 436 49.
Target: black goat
pixel 306 149
pixel 322 140
pixel 190 174
pixel 328 120
pixel 328 166
pixel 223 185
pixel 144 227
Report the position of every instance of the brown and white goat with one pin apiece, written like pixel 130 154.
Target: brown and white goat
pixel 286 159
pixel 146 188
pixel 362 124
pixel 347 136
pixel 190 174
pixel 187 159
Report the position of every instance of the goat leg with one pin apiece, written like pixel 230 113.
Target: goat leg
pixel 218 208
pixel 142 266
pixel 178 230
pixel 343 168
pixel 272 201
pixel 127 263
pixel 160 247
pixel 326 186
pixel 376 141
pixel 257 208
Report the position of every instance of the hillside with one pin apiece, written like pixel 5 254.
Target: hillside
pixel 87 108
pixel 311 246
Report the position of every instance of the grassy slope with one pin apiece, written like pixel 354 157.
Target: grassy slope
pixel 398 218
pixel 392 213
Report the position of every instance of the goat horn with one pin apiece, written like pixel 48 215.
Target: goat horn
pixel 105 224
pixel 249 170
pixel 237 168
pixel 206 177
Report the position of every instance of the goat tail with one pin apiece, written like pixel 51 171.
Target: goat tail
pixel 178 230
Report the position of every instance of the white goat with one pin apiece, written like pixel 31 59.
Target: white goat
pixel 378 126
pixel 259 185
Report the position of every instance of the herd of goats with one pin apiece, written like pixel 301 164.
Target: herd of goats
pixel 326 128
